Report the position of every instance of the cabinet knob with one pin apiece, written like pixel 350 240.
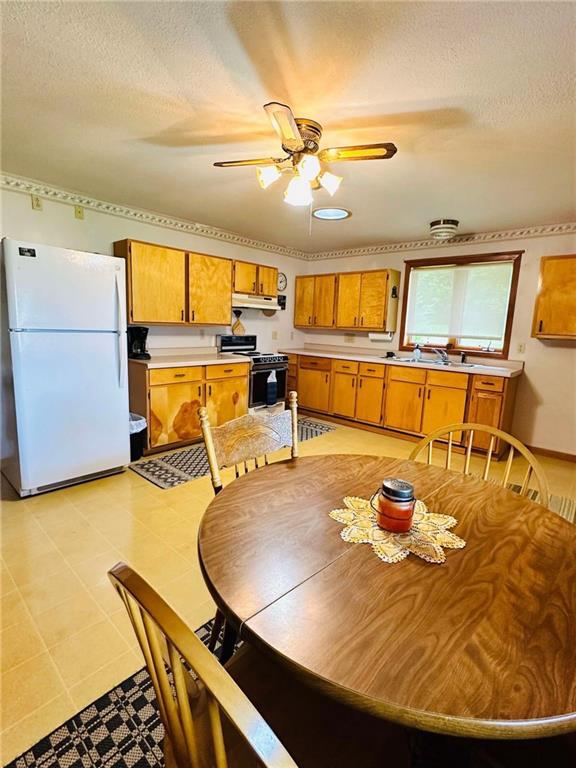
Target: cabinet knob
pixel 540 326
pixel 193 314
pixel 181 314
pixel 179 375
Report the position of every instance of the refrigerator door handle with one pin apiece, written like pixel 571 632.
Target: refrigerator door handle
pixel 121 339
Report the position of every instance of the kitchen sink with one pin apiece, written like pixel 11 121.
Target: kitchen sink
pixel 446 363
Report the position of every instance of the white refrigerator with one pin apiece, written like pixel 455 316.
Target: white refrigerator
pixel 64 366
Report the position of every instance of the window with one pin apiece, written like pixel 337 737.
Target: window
pixel 467 302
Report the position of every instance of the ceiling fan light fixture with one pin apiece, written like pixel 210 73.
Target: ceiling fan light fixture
pixel 298 192
pixel 309 167
pixel 267 175
pixel 330 182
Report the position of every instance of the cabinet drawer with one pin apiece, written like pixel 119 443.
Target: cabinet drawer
pixel 315 363
pixel 489 383
pixel 344 366
pixel 176 375
pixel 226 371
pixel 372 369
pixel 448 379
pixel 293 359
pixel 401 373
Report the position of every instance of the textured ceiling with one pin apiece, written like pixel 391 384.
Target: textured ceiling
pixel 133 102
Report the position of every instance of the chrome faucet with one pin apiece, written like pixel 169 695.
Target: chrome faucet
pixel 442 354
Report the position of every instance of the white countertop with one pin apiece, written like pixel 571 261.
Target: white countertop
pixel 509 371
pixel 185 360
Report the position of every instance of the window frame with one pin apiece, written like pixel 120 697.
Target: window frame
pixel 479 258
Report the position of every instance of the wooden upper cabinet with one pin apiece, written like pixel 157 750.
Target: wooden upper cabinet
pixel 304 301
pixel 348 303
pixel 373 293
pixel 245 277
pixel 267 281
pixel 324 296
pixel 255 279
pixel 555 309
pixel 209 289
pixel 157 282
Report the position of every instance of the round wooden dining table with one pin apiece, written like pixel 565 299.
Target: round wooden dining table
pixel 482 645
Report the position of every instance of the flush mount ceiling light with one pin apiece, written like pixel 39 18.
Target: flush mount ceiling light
pixel 443 229
pixel 300 139
pixel 331 214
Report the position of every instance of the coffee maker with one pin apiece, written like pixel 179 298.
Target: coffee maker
pixel 137 342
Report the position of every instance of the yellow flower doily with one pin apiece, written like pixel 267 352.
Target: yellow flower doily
pixel 427 537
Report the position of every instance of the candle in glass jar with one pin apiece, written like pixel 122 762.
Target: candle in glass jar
pixel 395 505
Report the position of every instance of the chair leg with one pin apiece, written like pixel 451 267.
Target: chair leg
pixel 228 642
pixel 216 629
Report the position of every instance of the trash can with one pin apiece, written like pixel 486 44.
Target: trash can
pixel 137 436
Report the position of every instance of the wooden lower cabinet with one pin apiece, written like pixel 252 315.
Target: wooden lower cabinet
pixel 443 406
pixel 369 400
pixel 404 404
pixel 226 399
pixel 485 408
pixel 314 389
pixel 344 394
pixel 173 415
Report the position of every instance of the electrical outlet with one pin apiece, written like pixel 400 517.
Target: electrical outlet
pixel 521 348
pixel 349 338
pixel 274 335
pixel 36 202
pixel 78 211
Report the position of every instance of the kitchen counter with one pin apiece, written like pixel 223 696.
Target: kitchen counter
pixel 511 370
pixel 186 360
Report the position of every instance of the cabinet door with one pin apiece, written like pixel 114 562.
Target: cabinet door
pixel 403 408
pixel 555 311
pixel 348 302
pixel 443 406
pixel 369 399
pixel 210 289
pixel 226 399
pixel 174 413
pixel 344 394
pixel 245 277
pixel 485 408
pixel 304 301
pixel 313 389
pixel 157 284
pixel 267 281
pixel 373 299
pixel 324 296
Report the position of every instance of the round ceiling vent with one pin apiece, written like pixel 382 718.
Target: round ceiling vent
pixel 443 229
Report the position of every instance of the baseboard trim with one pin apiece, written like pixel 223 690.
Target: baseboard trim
pixel 552 454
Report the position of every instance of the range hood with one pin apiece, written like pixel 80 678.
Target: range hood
pixel 246 301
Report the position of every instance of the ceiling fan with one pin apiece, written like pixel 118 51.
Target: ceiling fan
pixel 300 139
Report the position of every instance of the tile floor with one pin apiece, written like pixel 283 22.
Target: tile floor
pixel 65 638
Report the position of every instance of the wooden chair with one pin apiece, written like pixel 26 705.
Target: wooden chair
pixel 249 438
pixel 217 717
pixel 469 429
pixel 234 444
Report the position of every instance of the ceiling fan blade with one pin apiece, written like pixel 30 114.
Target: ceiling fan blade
pixel 358 152
pixel 285 126
pixel 254 161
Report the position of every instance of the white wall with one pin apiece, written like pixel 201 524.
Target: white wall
pixel 545 414
pixel 56 225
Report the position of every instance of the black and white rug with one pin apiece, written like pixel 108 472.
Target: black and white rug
pixel 122 729
pixel 185 464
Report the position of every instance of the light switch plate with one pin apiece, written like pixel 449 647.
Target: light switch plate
pixel 78 211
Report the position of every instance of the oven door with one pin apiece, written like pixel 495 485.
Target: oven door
pixel 258 382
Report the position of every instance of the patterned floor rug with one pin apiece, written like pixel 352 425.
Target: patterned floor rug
pixel 122 729
pixel 562 505
pixel 185 464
